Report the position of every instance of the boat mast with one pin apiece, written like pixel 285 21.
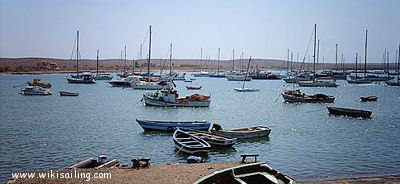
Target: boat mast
pixel 77 53
pixel 97 71
pixel 241 62
pixel 170 58
pixel 315 42
pixel 318 55
pixel 365 53
pixel 336 57
pixel 148 60
pixel 356 65
pixel 219 50
pixel 233 60
pixel 247 71
pixel 398 63
pixel 201 58
pixel 125 58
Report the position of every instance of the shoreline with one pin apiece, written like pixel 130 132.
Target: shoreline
pixel 182 173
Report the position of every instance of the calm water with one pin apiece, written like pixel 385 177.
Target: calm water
pixel 52 132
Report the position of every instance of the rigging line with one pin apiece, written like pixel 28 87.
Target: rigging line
pixel 280 94
pixel 73 49
pixel 305 54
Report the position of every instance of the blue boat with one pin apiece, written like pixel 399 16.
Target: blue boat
pixel 149 125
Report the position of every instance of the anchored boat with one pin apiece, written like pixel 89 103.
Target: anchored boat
pixel 35 90
pixel 170 98
pixel 190 144
pixel 296 96
pixel 368 98
pixel 66 93
pixel 149 125
pixel 213 140
pixel 349 112
pixel 249 173
pixel 242 133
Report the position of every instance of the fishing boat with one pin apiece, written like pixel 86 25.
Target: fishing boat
pixel 349 112
pixel 396 82
pixel 293 96
pixel 150 125
pixel 66 93
pixel 124 82
pixel 83 78
pixel 99 163
pixel 213 140
pixel 101 76
pixel 243 88
pixel 368 98
pixel 248 173
pixel 190 144
pixel 242 133
pixel 39 82
pixel 35 90
pixel 168 97
pixel 143 85
pixel 193 87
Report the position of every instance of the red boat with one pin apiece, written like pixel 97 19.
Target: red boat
pixel 193 87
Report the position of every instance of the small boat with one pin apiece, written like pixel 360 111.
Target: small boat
pixel 83 78
pixel 124 82
pixel 317 83
pixel 349 112
pixel 35 90
pixel 293 96
pixel 39 82
pixel 248 173
pixel 368 98
pixel 187 80
pixel 193 87
pixel 149 125
pixel 190 144
pixel 143 85
pixel 213 140
pixel 246 89
pixel 103 76
pixel 66 93
pixel 238 78
pixel 170 98
pixel 101 162
pixel 243 133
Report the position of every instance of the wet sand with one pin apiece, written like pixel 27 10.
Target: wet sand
pixel 183 174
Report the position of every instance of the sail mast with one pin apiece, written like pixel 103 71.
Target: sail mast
pixel 247 71
pixel 356 65
pixel 125 58
pixel 77 53
pixel 315 42
pixel 365 53
pixel 219 49
pixel 97 59
pixel 148 61
pixel 398 63
pixel 233 60
pixel 336 57
pixel 170 58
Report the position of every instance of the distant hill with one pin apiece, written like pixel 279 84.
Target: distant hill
pixel 63 65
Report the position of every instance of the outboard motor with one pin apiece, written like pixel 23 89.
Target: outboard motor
pixel 194 159
pixel 102 159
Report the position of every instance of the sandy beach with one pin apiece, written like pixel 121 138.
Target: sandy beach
pixel 182 174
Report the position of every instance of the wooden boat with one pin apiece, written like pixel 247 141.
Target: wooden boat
pixel 349 112
pixel 248 173
pixel 66 93
pixel 149 125
pixel 39 82
pixel 293 96
pixel 190 144
pixel 193 87
pixel 35 90
pixel 243 133
pixel 170 98
pixel 213 140
pixel 368 98
pixel 101 162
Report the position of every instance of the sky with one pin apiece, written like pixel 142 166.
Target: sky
pixel 258 28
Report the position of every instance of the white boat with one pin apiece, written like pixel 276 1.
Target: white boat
pixel 237 78
pixel 101 76
pixel 201 74
pixel 124 82
pixel 241 133
pixel 143 85
pixel 246 89
pixel 190 144
pixel 170 98
pixel 35 90
pixel 317 83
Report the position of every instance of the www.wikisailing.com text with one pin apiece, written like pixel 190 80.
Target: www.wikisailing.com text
pixel 72 174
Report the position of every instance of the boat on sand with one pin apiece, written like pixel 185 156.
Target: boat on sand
pixel 190 144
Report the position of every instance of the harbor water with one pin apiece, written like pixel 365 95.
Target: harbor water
pixel 53 132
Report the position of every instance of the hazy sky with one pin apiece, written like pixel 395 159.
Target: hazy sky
pixel 260 28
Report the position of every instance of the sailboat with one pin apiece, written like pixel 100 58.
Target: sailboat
pixel 217 74
pixel 148 85
pixel 357 80
pixel 83 78
pixel 396 83
pixel 243 89
pixel 314 82
pixel 101 76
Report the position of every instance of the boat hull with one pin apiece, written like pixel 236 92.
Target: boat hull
pixel 149 101
pixel 171 126
pixel 190 144
pixel 317 84
pixel 80 81
pixel 349 112
pixel 393 83
pixel 246 90
pixel 65 93
pixel 296 99
pixel 242 133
